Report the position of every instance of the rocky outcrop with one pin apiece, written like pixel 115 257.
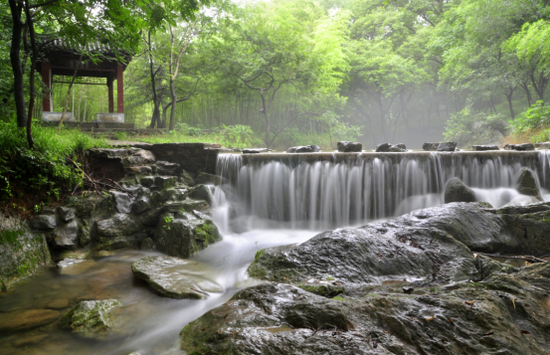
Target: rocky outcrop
pixel 527 184
pixel 399 286
pixel 91 319
pixel 21 251
pixel 174 277
pixel 456 191
pixel 483 148
pixel 476 318
pixel 520 147
pixel 347 146
pixel 312 148
pixel 388 147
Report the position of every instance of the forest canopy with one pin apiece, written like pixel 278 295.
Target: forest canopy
pixel 285 72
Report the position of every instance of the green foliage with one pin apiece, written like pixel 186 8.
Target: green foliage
pixel 536 117
pixel 47 168
pixel 469 127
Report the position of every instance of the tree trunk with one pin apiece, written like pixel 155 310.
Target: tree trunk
pixel 525 87
pixel 510 104
pixel 173 108
pixel 16 10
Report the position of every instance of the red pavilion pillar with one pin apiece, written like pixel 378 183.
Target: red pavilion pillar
pixel 111 100
pixel 47 79
pixel 120 88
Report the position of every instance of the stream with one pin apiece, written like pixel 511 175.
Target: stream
pixel 280 204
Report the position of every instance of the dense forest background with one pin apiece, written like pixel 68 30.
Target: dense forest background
pixel 287 72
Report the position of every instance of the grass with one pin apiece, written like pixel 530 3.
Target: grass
pixel 28 178
pixel 531 135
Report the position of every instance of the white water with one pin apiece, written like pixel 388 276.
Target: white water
pixel 334 192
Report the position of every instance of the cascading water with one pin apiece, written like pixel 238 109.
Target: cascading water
pixel 316 191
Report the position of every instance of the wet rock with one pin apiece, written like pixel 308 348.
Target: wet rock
pixel 174 277
pixel 312 148
pixel 123 201
pixel 91 319
pixel 66 236
pixel 65 214
pixel 388 147
pixel 183 237
pixel 27 319
pixel 283 319
pixel 520 147
pixel 430 146
pixel 165 182
pixel 147 244
pixel 456 191
pixel 187 178
pixel 141 204
pixel 43 222
pixel 120 224
pixel 201 192
pixel 446 147
pixel 151 216
pixel 111 153
pixel 139 158
pixel 482 148
pixel 527 184
pixel 166 168
pixel 21 252
pixel 347 146
pixel 92 205
pixel 434 245
pixel 68 262
pixel 543 145
pixel 255 150
pixel 84 233
pixel 208 179
pixel 120 242
pixel 139 170
pixel 147 181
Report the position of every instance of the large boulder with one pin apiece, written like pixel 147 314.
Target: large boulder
pixel 66 214
pixel 123 201
pixel 527 184
pixel 183 234
pixel 167 168
pixel 91 319
pixel 140 157
pixel 174 277
pixel 347 146
pixel 430 146
pixel 66 236
pixel 208 179
pixel 456 191
pixel 432 245
pixel 447 147
pixel 520 147
pixel 120 224
pixel 45 222
pixel 388 147
pixel 22 252
pixel 493 316
pixel 483 148
pixel 312 148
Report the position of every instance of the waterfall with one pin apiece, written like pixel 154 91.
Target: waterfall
pixel 326 190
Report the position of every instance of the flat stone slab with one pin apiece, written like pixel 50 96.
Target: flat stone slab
pixel 174 277
pixel 21 320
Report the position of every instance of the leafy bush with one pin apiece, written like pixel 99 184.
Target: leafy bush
pixel 467 128
pixel 536 117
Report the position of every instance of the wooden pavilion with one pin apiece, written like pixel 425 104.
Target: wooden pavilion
pixel 61 58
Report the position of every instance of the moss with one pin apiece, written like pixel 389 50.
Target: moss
pixel 11 236
pixel 207 233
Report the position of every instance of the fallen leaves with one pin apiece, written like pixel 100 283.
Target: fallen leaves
pixel 524 332
pixel 430 319
pixel 489 333
pixel 470 303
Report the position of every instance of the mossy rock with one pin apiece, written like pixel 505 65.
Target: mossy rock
pixel 91 319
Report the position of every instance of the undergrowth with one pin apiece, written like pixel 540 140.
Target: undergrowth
pixel 29 178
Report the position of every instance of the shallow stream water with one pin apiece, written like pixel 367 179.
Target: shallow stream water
pixel 149 323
